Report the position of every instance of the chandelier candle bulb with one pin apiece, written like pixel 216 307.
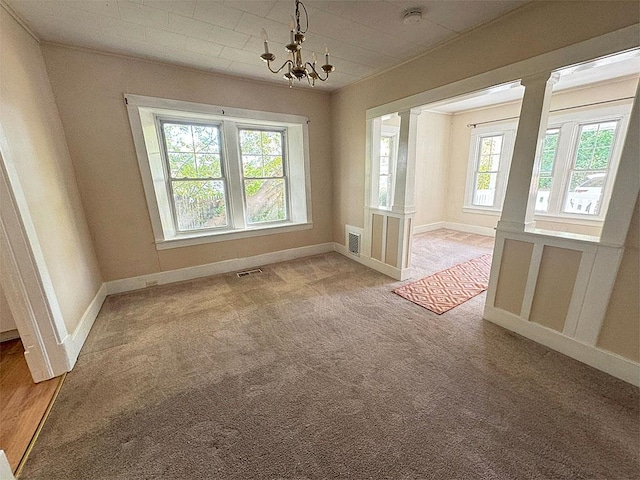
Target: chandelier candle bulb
pixel 265 39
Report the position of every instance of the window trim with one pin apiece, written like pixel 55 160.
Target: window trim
pixel 144 114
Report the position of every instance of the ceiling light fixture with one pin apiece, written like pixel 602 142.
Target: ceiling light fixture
pixel 296 67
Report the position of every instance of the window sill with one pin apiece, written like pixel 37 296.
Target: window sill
pixel 571 219
pixel 186 240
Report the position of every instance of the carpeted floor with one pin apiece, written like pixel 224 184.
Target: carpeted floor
pixel 316 370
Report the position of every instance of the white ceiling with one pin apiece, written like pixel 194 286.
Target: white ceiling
pixel 363 36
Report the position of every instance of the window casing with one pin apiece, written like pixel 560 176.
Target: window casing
pixel 213 173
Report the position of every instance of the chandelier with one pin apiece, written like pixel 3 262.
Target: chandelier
pixel 296 67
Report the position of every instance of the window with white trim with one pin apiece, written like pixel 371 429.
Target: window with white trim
pixel 384 168
pixel 578 160
pixel 489 156
pixel 215 173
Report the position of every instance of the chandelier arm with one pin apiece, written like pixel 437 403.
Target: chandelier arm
pixel 288 62
pixel 313 69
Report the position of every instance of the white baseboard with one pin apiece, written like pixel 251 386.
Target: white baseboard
pixel 608 362
pixel 463 227
pixel 429 227
pixel 388 270
pixel 5 468
pixel 74 342
pixel 459 227
pixel 226 266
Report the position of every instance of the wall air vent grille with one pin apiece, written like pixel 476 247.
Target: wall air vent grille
pixel 354 243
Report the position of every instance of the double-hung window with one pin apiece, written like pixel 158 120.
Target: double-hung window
pixel 215 173
pixel 384 168
pixel 589 168
pixel 490 154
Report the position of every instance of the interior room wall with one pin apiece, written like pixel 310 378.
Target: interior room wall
pixel 432 158
pixel 38 152
pixel 89 89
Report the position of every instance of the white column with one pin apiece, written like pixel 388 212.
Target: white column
pixel 627 186
pixel 519 202
pixel 404 198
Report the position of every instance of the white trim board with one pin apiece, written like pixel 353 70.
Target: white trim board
pixel 608 362
pixel 372 263
pixel 225 266
pixel 73 343
pixel 5 469
pixel 459 227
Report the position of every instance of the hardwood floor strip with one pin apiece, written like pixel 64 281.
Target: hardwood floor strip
pixel 37 432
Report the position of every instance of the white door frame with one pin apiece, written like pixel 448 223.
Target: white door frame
pixel 22 280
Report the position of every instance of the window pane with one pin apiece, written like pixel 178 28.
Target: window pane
pixel 595 145
pixel 266 200
pixel 384 165
pixel 272 166
pixel 182 165
pixel 385 147
pixel 542 197
pixel 383 192
pixel 485 190
pixel 199 204
pixel 271 143
pixel 178 137
pixel 490 150
pixel 208 165
pixel 206 139
pixel 585 193
pixel 250 142
pixel 261 154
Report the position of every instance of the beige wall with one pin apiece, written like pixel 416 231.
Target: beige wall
pixel 620 331
pixel 432 160
pixel 7 321
pixel 38 151
pixel 533 30
pixel 89 89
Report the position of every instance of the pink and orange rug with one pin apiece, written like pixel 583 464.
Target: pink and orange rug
pixel 449 288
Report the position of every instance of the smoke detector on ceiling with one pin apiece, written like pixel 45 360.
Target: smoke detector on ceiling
pixel 413 15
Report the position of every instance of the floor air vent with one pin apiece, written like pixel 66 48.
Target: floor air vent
pixel 248 272
pixel 354 243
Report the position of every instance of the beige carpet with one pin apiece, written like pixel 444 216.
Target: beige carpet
pixel 316 370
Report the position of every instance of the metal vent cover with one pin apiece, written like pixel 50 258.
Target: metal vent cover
pixel 354 243
pixel 249 272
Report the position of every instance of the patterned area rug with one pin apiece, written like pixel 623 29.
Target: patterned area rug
pixel 449 288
